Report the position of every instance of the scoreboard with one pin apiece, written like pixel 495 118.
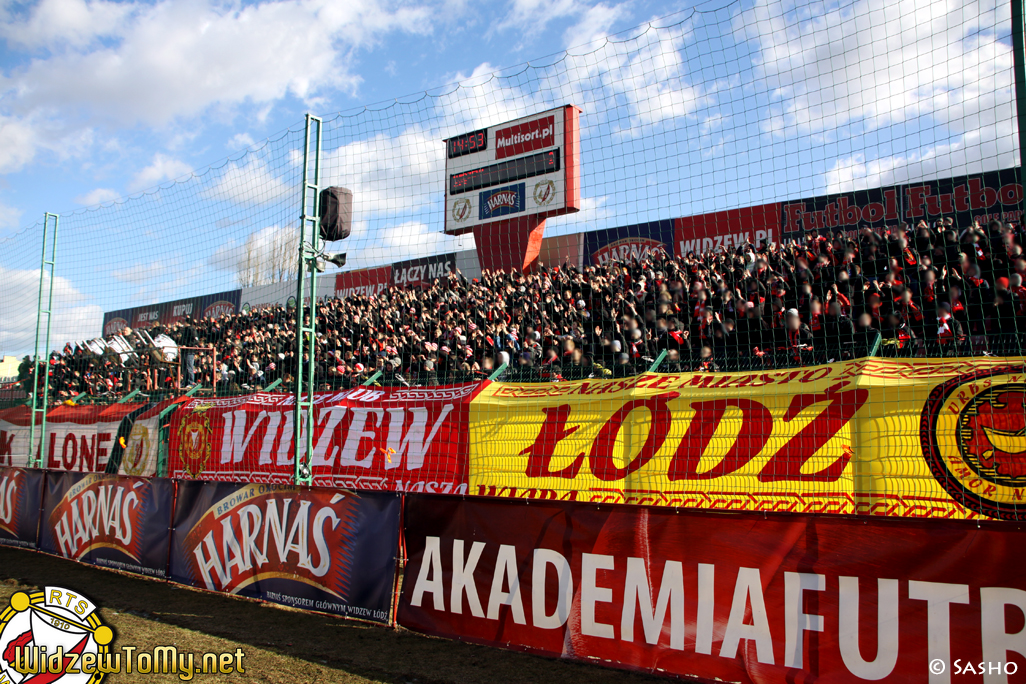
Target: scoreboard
pixel 526 167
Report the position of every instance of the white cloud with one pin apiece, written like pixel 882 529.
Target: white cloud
pixel 17 143
pixel 399 241
pixel 97 196
pixel 72 23
pixel 74 317
pixel 103 63
pixel 248 182
pixel 414 239
pixel 162 168
pixel 140 273
pixel 594 214
pixel 240 141
pixel 975 152
pixel 594 23
pixel 935 77
pixel 532 16
pixel 388 174
pixel 876 63
pixel 9 216
pixel 483 99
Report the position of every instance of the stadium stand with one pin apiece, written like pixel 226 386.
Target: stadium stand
pixel 929 290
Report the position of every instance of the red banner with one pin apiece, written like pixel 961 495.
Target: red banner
pixel 741 597
pixel 727 229
pixel 78 438
pixel 364 438
pixel 368 282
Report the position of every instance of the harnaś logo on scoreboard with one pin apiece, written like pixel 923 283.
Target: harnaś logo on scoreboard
pixel 501 201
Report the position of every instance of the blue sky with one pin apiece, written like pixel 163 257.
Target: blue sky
pixel 686 109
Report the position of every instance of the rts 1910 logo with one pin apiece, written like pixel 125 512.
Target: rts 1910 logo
pixel 461 210
pixel 54 635
pixel 973 433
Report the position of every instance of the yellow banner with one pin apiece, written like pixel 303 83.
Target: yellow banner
pixel 917 438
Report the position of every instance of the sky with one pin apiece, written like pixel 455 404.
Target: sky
pixel 168 134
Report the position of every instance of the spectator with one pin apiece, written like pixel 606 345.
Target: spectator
pixel 929 290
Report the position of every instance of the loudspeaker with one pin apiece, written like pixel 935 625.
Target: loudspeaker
pixel 336 213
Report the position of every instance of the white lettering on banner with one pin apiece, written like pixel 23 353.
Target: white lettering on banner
pixel 245 536
pixel 886 628
pixel 797 621
pixel 521 138
pixel 997 641
pixel 748 591
pixel 543 558
pixel 939 597
pixel 729 241
pixel 179 310
pixel 361 291
pixel 660 603
pixel 506 198
pixel 105 511
pixel 421 273
pixel 8 486
pixel 406 431
pixel 632 249
pixel 671 597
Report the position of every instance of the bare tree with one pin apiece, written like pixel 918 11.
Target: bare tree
pixel 268 256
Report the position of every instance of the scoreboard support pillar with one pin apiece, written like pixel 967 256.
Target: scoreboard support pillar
pixel 510 245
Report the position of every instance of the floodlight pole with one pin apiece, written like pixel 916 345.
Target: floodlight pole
pixel 1019 68
pixel 46 269
pixel 306 333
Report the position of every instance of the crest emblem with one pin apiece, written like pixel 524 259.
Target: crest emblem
pixel 544 192
pixel 137 451
pixel 55 618
pixel 194 434
pixel 973 433
pixel 461 210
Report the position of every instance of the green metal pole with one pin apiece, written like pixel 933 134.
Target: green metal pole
pixel 1019 68
pixel 494 377
pixel 163 431
pixel 876 345
pixel 307 332
pixel 654 368
pixel 1019 71
pixel 128 397
pixel 39 412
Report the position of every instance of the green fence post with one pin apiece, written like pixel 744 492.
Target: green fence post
pixel 39 412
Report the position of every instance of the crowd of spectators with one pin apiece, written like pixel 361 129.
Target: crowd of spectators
pixel 925 290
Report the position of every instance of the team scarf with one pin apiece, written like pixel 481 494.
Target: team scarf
pixel 816 321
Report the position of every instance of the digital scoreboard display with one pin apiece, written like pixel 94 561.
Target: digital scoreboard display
pixel 521 168
pixel 504 172
pixel 468 143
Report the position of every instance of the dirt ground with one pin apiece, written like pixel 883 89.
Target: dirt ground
pixel 281 644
